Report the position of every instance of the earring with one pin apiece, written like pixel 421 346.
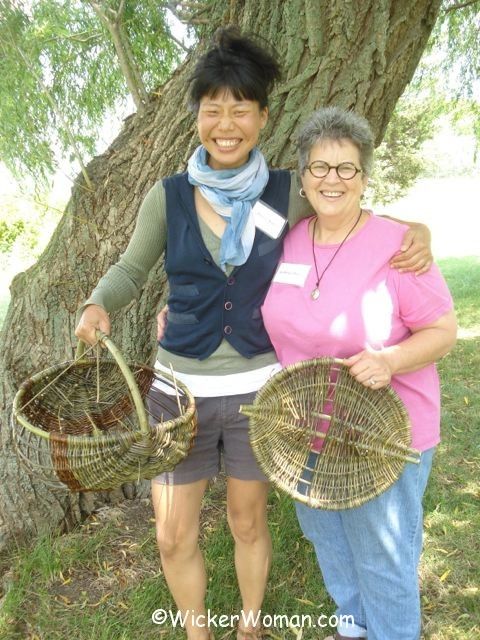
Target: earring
pixel 302 193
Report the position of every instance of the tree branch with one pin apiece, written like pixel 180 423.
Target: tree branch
pixel 120 11
pixel 58 113
pixel 461 5
pixel 128 65
pixel 189 12
pixel 76 37
pixel 180 44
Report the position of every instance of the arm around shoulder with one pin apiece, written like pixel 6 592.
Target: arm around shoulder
pixel 416 248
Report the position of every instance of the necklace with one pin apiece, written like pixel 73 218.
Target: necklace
pixel 316 293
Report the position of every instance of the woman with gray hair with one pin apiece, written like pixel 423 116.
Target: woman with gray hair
pixel 389 328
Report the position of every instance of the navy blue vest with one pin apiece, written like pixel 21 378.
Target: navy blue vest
pixel 205 305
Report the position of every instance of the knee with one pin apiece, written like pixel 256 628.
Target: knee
pixel 175 543
pixel 246 527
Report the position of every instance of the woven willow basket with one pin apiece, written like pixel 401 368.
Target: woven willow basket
pixel 327 440
pixel 85 424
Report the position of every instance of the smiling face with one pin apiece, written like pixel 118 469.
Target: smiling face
pixel 332 197
pixel 229 129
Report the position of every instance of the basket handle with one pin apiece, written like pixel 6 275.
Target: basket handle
pixel 127 374
pixel 80 352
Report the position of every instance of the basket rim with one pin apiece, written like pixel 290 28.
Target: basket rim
pixel 103 438
pixel 286 371
pixel 284 477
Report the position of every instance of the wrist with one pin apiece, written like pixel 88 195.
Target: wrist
pixel 391 357
pixel 93 307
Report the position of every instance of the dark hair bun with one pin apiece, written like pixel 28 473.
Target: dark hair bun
pixel 243 64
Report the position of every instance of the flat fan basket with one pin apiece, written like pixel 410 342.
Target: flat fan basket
pixel 85 424
pixel 327 440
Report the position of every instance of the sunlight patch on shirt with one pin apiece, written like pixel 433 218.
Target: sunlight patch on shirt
pixel 338 328
pixel 377 311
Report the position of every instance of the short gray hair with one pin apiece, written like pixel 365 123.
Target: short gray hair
pixel 334 123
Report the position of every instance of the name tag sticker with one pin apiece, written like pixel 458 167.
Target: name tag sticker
pixel 290 273
pixel 268 220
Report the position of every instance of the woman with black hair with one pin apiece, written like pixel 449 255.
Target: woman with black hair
pixel 221 225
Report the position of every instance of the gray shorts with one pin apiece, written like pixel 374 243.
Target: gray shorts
pixel 221 430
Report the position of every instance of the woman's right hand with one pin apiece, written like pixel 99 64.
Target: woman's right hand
pixel 93 318
pixel 162 323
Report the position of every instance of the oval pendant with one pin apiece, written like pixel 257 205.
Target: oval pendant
pixel 315 294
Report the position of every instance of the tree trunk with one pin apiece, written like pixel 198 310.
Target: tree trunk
pixel 354 54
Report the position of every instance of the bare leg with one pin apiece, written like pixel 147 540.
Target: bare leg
pixel 177 516
pixel 247 517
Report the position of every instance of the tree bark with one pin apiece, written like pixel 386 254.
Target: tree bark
pixel 354 54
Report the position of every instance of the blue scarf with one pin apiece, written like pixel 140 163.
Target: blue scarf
pixel 232 194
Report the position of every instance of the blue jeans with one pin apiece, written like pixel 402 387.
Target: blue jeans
pixel 369 557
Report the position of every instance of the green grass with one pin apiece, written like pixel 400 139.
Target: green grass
pixel 103 581
pixel 463 277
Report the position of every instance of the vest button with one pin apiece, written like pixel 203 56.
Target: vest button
pixel 231 280
pixel 228 305
pixel 227 329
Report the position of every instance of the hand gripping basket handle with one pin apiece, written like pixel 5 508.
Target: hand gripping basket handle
pixel 127 374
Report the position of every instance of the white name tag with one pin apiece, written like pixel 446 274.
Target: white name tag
pixel 268 220
pixel 290 273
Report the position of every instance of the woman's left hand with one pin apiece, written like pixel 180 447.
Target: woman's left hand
pixel 370 368
pixel 416 252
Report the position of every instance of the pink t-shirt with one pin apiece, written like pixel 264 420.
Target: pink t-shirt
pixel 363 303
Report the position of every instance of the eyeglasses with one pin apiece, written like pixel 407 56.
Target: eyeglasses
pixel 344 170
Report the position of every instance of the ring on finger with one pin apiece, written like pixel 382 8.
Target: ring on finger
pixel 372 382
